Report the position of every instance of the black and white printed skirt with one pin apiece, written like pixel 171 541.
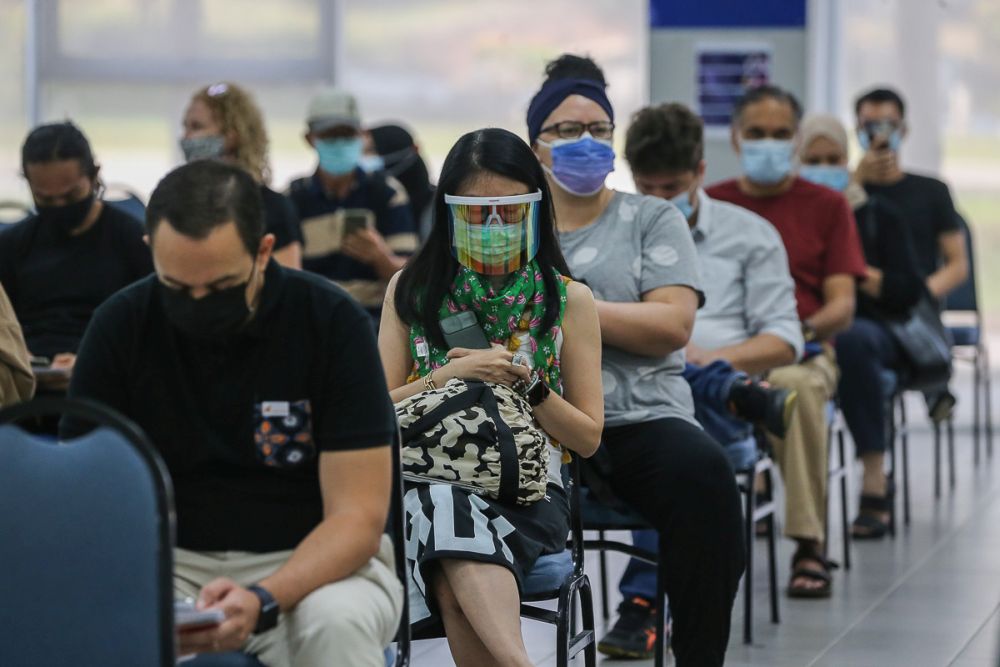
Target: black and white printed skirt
pixel 446 521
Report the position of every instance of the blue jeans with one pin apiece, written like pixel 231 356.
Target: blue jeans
pixel 710 387
pixel 862 352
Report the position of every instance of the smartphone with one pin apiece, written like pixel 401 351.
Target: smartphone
pixel 40 362
pixel 47 372
pixel 463 330
pixel 356 219
pixel 878 132
pixel 187 618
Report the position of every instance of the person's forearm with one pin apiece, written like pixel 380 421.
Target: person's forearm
pixel 758 354
pixel 388 265
pixel 569 426
pixel 835 316
pixel 648 329
pixel 326 556
pixel 947 278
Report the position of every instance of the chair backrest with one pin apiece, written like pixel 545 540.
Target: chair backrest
pixel 964 297
pixel 85 558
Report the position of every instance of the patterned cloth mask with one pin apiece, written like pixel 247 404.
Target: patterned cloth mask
pixel 494 236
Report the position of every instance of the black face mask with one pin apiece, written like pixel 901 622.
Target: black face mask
pixel 67 217
pixel 216 316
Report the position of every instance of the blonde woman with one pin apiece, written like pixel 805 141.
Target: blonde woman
pixel 223 122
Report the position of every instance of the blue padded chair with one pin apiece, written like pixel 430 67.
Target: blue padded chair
pixel 748 461
pixel 969 345
pixel 559 577
pixel 87 531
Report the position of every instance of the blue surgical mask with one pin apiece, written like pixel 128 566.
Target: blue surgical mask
pixel 683 203
pixel 895 139
pixel 339 156
pixel 833 177
pixel 766 161
pixel 209 147
pixel 579 166
pixel 371 163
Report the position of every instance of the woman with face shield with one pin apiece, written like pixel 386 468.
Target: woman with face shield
pixel 222 122
pixel 637 255
pixel 487 305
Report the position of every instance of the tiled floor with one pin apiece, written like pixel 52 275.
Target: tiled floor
pixel 929 598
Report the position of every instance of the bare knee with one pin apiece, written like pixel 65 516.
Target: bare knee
pixel 444 595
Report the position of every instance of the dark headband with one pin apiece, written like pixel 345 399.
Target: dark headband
pixel 552 94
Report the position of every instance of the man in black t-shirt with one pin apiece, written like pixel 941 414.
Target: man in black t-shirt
pixel 263 391
pixel 63 262
pixel 924 202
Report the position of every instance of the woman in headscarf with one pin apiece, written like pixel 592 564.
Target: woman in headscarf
pixel 892 286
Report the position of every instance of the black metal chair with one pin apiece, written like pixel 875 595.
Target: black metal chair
pixel 88 528
pixel 969 346
pixel 559 577
pixel 601 517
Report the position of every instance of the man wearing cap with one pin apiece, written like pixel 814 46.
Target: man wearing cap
pixel 357 228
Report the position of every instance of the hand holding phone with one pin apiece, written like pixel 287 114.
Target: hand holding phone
pixel 463 330
pixel 188 618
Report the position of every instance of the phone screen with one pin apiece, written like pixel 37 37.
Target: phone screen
pixel 357 219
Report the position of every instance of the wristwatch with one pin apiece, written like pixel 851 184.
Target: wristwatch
pixel 268 617
pixel 537 392
pixel 808 332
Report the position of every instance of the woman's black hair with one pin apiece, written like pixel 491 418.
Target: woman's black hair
pixel 55 142
pixel 428 276
pixel 569 66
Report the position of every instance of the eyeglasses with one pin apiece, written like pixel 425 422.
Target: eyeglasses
pixel 571 129
pixel 511 210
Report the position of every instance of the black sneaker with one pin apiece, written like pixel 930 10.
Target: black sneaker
pixel 634 633
pixel 760 403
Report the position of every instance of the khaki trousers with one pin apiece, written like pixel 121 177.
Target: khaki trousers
pixel 803 455
pixel 348 622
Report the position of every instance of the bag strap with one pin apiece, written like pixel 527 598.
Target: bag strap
pixel 478 393
pixel 510 469
pixel 468 398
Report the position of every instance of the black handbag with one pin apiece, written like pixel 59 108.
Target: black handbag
pixel 925 344
pixel 921 336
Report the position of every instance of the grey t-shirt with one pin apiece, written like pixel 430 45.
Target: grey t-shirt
pixel 637 245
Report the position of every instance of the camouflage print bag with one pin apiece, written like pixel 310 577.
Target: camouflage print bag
pixel 477 435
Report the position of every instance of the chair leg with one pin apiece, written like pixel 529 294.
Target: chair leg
pixel 587 610
pixel 950 432
pixel 772 553
pixel 976 402
pixel 661 606
pixel 891 446
pixel 937 461
pixel 845 528
pixel 905 460
pixel 602 560
pixel 988 400
pixel 748 536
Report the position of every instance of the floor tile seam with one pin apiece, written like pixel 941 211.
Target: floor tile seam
pixel 990 497
pixel 989 619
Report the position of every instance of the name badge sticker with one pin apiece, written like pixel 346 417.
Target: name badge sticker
pixel 422 349
pixel 274 409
